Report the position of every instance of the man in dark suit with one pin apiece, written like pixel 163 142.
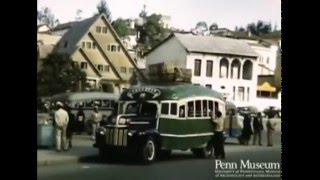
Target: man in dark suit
pixel 257 128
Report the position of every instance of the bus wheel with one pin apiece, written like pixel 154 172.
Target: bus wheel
pixel 205 152
pixel 148 151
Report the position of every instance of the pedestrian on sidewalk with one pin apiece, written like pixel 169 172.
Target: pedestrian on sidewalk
pixel 247 129
pixel 218 138
pixel 71 125
pixel 95 118
pixel 257 128
pixel 271 125
pixel 61 122
pixel 80 120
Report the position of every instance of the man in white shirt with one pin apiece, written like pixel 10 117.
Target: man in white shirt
pixel 96 118
pixel 271 125
pixel 218 136
pixel 61 122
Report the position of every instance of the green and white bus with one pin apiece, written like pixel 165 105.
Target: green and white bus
pixel 153 120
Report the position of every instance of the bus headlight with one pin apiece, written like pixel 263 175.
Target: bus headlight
pixel 128 121
pixel 102 131
pixel 122 121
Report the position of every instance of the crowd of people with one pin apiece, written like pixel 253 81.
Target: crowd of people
pixel 67 123
pixel 252 125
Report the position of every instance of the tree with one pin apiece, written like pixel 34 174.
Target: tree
pixel 259 28
pixel 121 27
pixel 78 15
pixel 104 9
pixel 275 27
pixel 213 26
pixel 59 75
pixel 201 27
pixel 45 16
pixel 152 32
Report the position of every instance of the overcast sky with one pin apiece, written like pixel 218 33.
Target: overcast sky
pixel 184 13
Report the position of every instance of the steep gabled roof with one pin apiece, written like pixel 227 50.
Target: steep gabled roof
pixel 75 34
pixel 81 28
pixel 64 26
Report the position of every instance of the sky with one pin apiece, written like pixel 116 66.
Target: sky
pixel 184 13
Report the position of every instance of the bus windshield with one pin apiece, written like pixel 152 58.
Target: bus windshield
pixel 146 109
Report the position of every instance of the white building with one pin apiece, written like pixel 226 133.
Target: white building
pixel 267 59
pixel 43 28
pixel 224 64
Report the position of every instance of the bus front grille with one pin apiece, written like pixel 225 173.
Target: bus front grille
pixel 116 136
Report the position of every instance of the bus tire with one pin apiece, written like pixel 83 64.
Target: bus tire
pixel 148 151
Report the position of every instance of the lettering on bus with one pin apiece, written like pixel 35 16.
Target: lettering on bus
pixel 155 92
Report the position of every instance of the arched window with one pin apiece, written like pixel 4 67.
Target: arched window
pixel 224 67
pixel 247 70
pixel 235 69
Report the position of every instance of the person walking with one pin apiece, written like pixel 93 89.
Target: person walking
pixel 271 124
pixel 80 120
pixel 61 119
pixel 257 129
pixel 218 138
pixel 71 126
pixel 247 130
pixel 96 118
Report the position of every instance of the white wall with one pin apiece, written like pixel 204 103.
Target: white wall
pixel 170 51
pixel 43 28
pixel 173 51
pixel 262 103
pixel 264 54
pixel 216 82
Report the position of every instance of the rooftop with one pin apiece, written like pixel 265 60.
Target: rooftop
pixel 213 44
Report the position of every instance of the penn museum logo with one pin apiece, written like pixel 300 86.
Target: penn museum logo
pixel 247 169
pixel 143 91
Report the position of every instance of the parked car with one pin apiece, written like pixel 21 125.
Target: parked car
pixel 271 111
pixel 247 110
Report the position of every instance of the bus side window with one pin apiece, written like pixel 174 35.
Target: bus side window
pixel 89 103
pixel 191 109
pixel 182 110
pixel 112 102
pixel 97 103
pixel 211 108
pixel 216 107
pixel 173 109
pixel 165 108
pixel 74 104
pixel 198 108
pixel 205 108
pixel 105 103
